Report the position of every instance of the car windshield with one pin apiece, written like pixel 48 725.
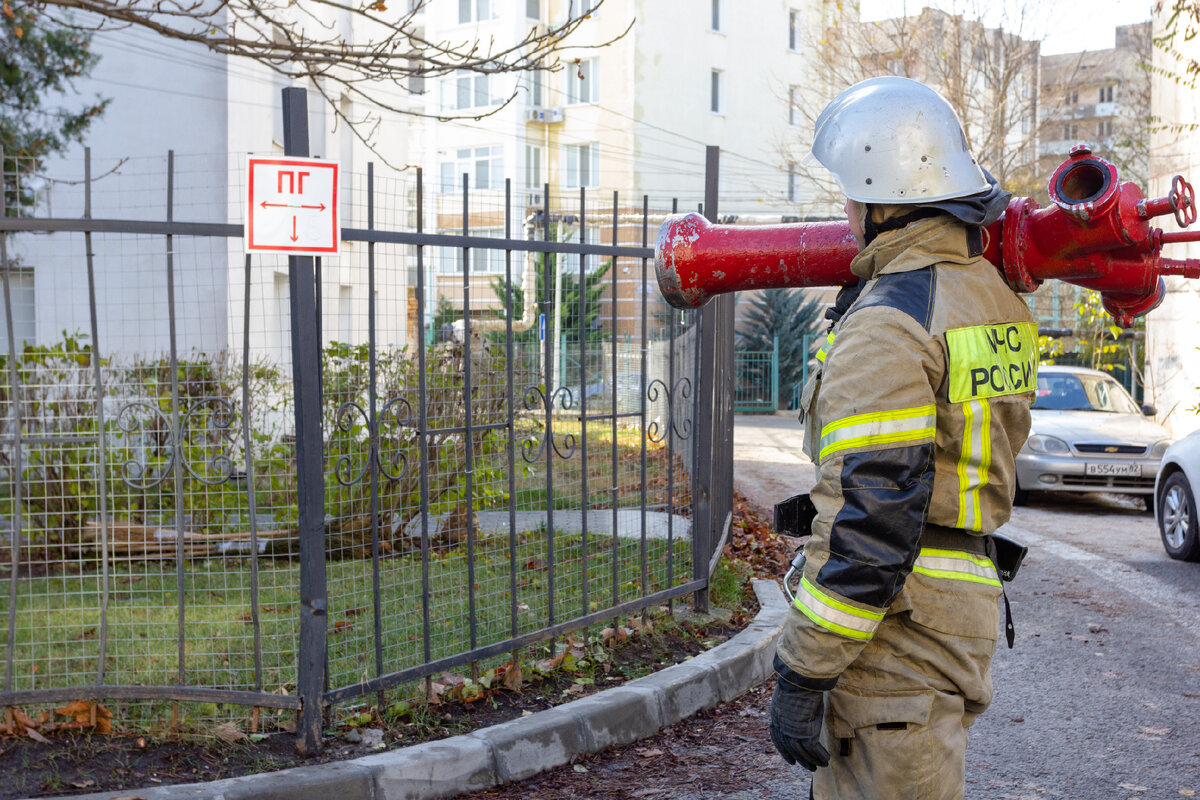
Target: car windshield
pixel 1064 391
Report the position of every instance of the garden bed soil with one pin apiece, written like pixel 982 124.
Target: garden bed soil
pixel 73 762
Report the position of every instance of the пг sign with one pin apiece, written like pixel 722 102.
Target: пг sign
pixel 292 206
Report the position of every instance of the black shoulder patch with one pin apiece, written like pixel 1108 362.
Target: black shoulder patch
pixel 910 292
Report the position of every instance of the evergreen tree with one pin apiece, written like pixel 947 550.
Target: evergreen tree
pixel 787 314
pixel 38 61
pixel 594 288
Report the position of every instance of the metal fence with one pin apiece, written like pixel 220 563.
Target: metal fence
pixel 757 387
pixel 282 484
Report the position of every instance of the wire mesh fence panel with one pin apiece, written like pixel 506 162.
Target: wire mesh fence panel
pixel 506 416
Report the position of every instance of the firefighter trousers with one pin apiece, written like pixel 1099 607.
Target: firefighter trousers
pixel 896 724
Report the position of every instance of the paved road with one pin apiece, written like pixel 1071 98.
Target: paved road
pixel 1099 699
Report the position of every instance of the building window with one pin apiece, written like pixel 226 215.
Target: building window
pixel 896 66
pixel 716 15
pixel 24 320
pixel 1106 94
pixel 534 81
pixel 485 165
pixel 467 90
pixel 583 165
pixel 1072 97
pixel 449 260
pixel 1105 128
pixel 793 29
pixel 791 183
pixel 533 167
pixel 583 82
pixel 533 9
pixel 345 314
pixel 478 10
pixel 1070 131
pixel 793 105
pixel 416 80
pixel 715 94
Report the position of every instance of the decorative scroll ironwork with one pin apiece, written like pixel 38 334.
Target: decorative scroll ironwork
pixel 534 399
pixel 211 433
pixel 392 468
pixel 679 424
pixel 343 468
pixel 395 467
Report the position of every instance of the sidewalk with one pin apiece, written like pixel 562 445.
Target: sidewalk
pixel 768 462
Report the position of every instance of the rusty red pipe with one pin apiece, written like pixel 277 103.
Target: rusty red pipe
pixel 1096 235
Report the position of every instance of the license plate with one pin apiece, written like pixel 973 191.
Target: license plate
pixel 1121 470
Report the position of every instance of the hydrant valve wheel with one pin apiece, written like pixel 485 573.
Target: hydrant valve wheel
pixel 1183 201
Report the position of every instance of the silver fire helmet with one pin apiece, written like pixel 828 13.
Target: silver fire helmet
pixel 895 140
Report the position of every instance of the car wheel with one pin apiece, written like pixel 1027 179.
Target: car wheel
pixel 1020 496
pixel 1177 519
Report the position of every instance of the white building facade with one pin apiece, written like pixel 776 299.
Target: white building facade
pixel 1173 329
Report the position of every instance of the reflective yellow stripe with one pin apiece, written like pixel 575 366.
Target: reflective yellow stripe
pixel 834 615
pixel 956 565
pixel 992 360
pixel 879 428
pixel 974 462
pixel 825 348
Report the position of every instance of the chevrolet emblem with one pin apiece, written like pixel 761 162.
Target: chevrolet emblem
pixel 1110 449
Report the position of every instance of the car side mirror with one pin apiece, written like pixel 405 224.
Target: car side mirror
pixel 1149 410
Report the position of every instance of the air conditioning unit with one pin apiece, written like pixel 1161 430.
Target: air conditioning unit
pixel 548 115
pixel 533 200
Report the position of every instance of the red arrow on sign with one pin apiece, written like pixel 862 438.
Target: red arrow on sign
pixel 294 236
pixel 265 204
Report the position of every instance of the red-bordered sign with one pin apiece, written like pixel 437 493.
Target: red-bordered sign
pixel 292 206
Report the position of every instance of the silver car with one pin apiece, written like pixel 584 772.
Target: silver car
pixel 1176 513
pixel 1089 435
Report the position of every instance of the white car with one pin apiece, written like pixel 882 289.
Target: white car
pixel 1176 506
pixel 1088 435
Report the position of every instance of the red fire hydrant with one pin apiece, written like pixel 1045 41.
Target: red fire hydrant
pixel 1096 234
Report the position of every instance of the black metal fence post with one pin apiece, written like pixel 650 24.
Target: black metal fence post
pixel 705 494
pixel 310 459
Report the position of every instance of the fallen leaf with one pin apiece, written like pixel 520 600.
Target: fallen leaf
pixel 228 732
pixel 1154 731
pixel 582 768
pixel 352 612
pixel 77 709
pixel 649 752
pixel 83 784
pixel 341 626
pixel 1187 792
pixel 37 737
pixel 513 679
pixel 1129 787
pixel 23 719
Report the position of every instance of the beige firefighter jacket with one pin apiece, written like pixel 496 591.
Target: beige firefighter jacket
pixel 914 421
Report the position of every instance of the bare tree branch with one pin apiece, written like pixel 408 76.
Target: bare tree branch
pixel 310 40
pixel 989 75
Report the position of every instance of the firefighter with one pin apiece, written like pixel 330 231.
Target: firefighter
pixel 913 419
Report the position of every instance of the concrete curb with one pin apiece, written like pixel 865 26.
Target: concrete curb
pixel 522 747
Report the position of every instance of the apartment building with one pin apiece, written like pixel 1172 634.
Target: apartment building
pixel 1173 330
pixel 1100 98
pixel 212 110
pixel 647 85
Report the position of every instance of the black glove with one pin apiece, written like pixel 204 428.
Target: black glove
pixel 795 725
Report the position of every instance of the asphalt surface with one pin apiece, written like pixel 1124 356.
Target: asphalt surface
pixel 1099 699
